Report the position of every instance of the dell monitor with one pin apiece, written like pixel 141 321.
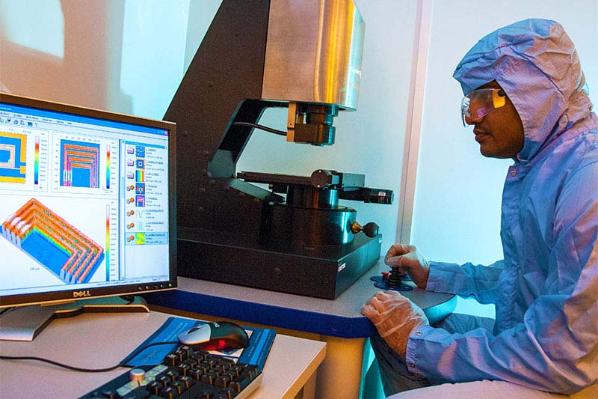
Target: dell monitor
pixel 86 210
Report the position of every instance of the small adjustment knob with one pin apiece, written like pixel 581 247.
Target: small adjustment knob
pixel 371 229
pixel 137 375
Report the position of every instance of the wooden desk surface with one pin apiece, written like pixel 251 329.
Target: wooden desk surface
pixel 102 340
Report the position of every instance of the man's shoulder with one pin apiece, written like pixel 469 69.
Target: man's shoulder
pixel 576 147
pixel 587 147
pixel 572 152
pixel 580 156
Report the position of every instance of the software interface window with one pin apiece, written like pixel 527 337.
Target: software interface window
pixel 83 201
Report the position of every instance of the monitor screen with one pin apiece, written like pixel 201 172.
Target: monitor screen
pixel 86 203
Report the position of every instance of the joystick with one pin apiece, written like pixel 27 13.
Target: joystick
pixel 392 280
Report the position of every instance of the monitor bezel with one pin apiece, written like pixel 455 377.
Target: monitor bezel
pixel 118 290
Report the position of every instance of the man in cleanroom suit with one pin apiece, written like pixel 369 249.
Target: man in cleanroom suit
pixel 525 95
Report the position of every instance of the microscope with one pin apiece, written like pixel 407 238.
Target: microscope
pixel 292 236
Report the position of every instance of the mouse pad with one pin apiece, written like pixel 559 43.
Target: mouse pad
pixel 260 342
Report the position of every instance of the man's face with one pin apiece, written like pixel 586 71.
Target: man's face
pixel 500 132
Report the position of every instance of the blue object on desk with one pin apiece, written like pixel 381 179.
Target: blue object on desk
pixel 256 353
pixel 357 326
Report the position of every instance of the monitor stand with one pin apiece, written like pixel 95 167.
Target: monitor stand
pixel 24 323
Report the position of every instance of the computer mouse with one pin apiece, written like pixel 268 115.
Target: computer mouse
pixel 217 335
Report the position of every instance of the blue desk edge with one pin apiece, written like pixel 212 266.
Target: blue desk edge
pixel 278 316
pixel 270 315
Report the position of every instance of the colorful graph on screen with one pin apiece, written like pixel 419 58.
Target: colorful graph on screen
pixel 13 155
pixel 79 164
pixel 53 242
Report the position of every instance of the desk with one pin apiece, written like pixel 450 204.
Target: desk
pixel 102 340
pixel 337 322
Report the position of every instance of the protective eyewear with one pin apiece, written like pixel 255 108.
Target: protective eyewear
pixel 479 103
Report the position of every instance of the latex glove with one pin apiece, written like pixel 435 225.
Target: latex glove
pixel 409 261
pixel 395 317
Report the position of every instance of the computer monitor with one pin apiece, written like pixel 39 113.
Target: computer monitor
pixel 87 207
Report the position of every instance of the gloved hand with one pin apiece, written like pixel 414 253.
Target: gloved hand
pixel 395 317
pixel 409 261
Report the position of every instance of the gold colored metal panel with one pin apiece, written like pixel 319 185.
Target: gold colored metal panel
pixel 313 52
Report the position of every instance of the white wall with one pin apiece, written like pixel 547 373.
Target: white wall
pixel 39 35
pixel 458 193
pixel 153 50
pixel 123 56
pixel 65 50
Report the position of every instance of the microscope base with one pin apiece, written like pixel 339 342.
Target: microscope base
pixel 321 272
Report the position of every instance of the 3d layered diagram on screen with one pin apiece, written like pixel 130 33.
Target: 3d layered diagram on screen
pixel 53 242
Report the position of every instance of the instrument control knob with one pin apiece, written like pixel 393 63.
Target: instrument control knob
pixel 371 229
pixel 137 375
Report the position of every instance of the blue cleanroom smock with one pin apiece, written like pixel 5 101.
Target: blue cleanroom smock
pixel 546 288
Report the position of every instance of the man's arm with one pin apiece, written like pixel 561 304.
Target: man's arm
pixel 466 280
pixel 555 348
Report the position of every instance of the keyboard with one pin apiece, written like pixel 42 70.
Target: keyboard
pixel 184 373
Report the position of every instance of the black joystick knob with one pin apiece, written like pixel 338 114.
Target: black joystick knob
pixel 394 278
pixel 370 229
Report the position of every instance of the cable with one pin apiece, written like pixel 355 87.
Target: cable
pixel 261 127
pixel 6 310
pixel 74 368
pixel 120 364
pixel 66 366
